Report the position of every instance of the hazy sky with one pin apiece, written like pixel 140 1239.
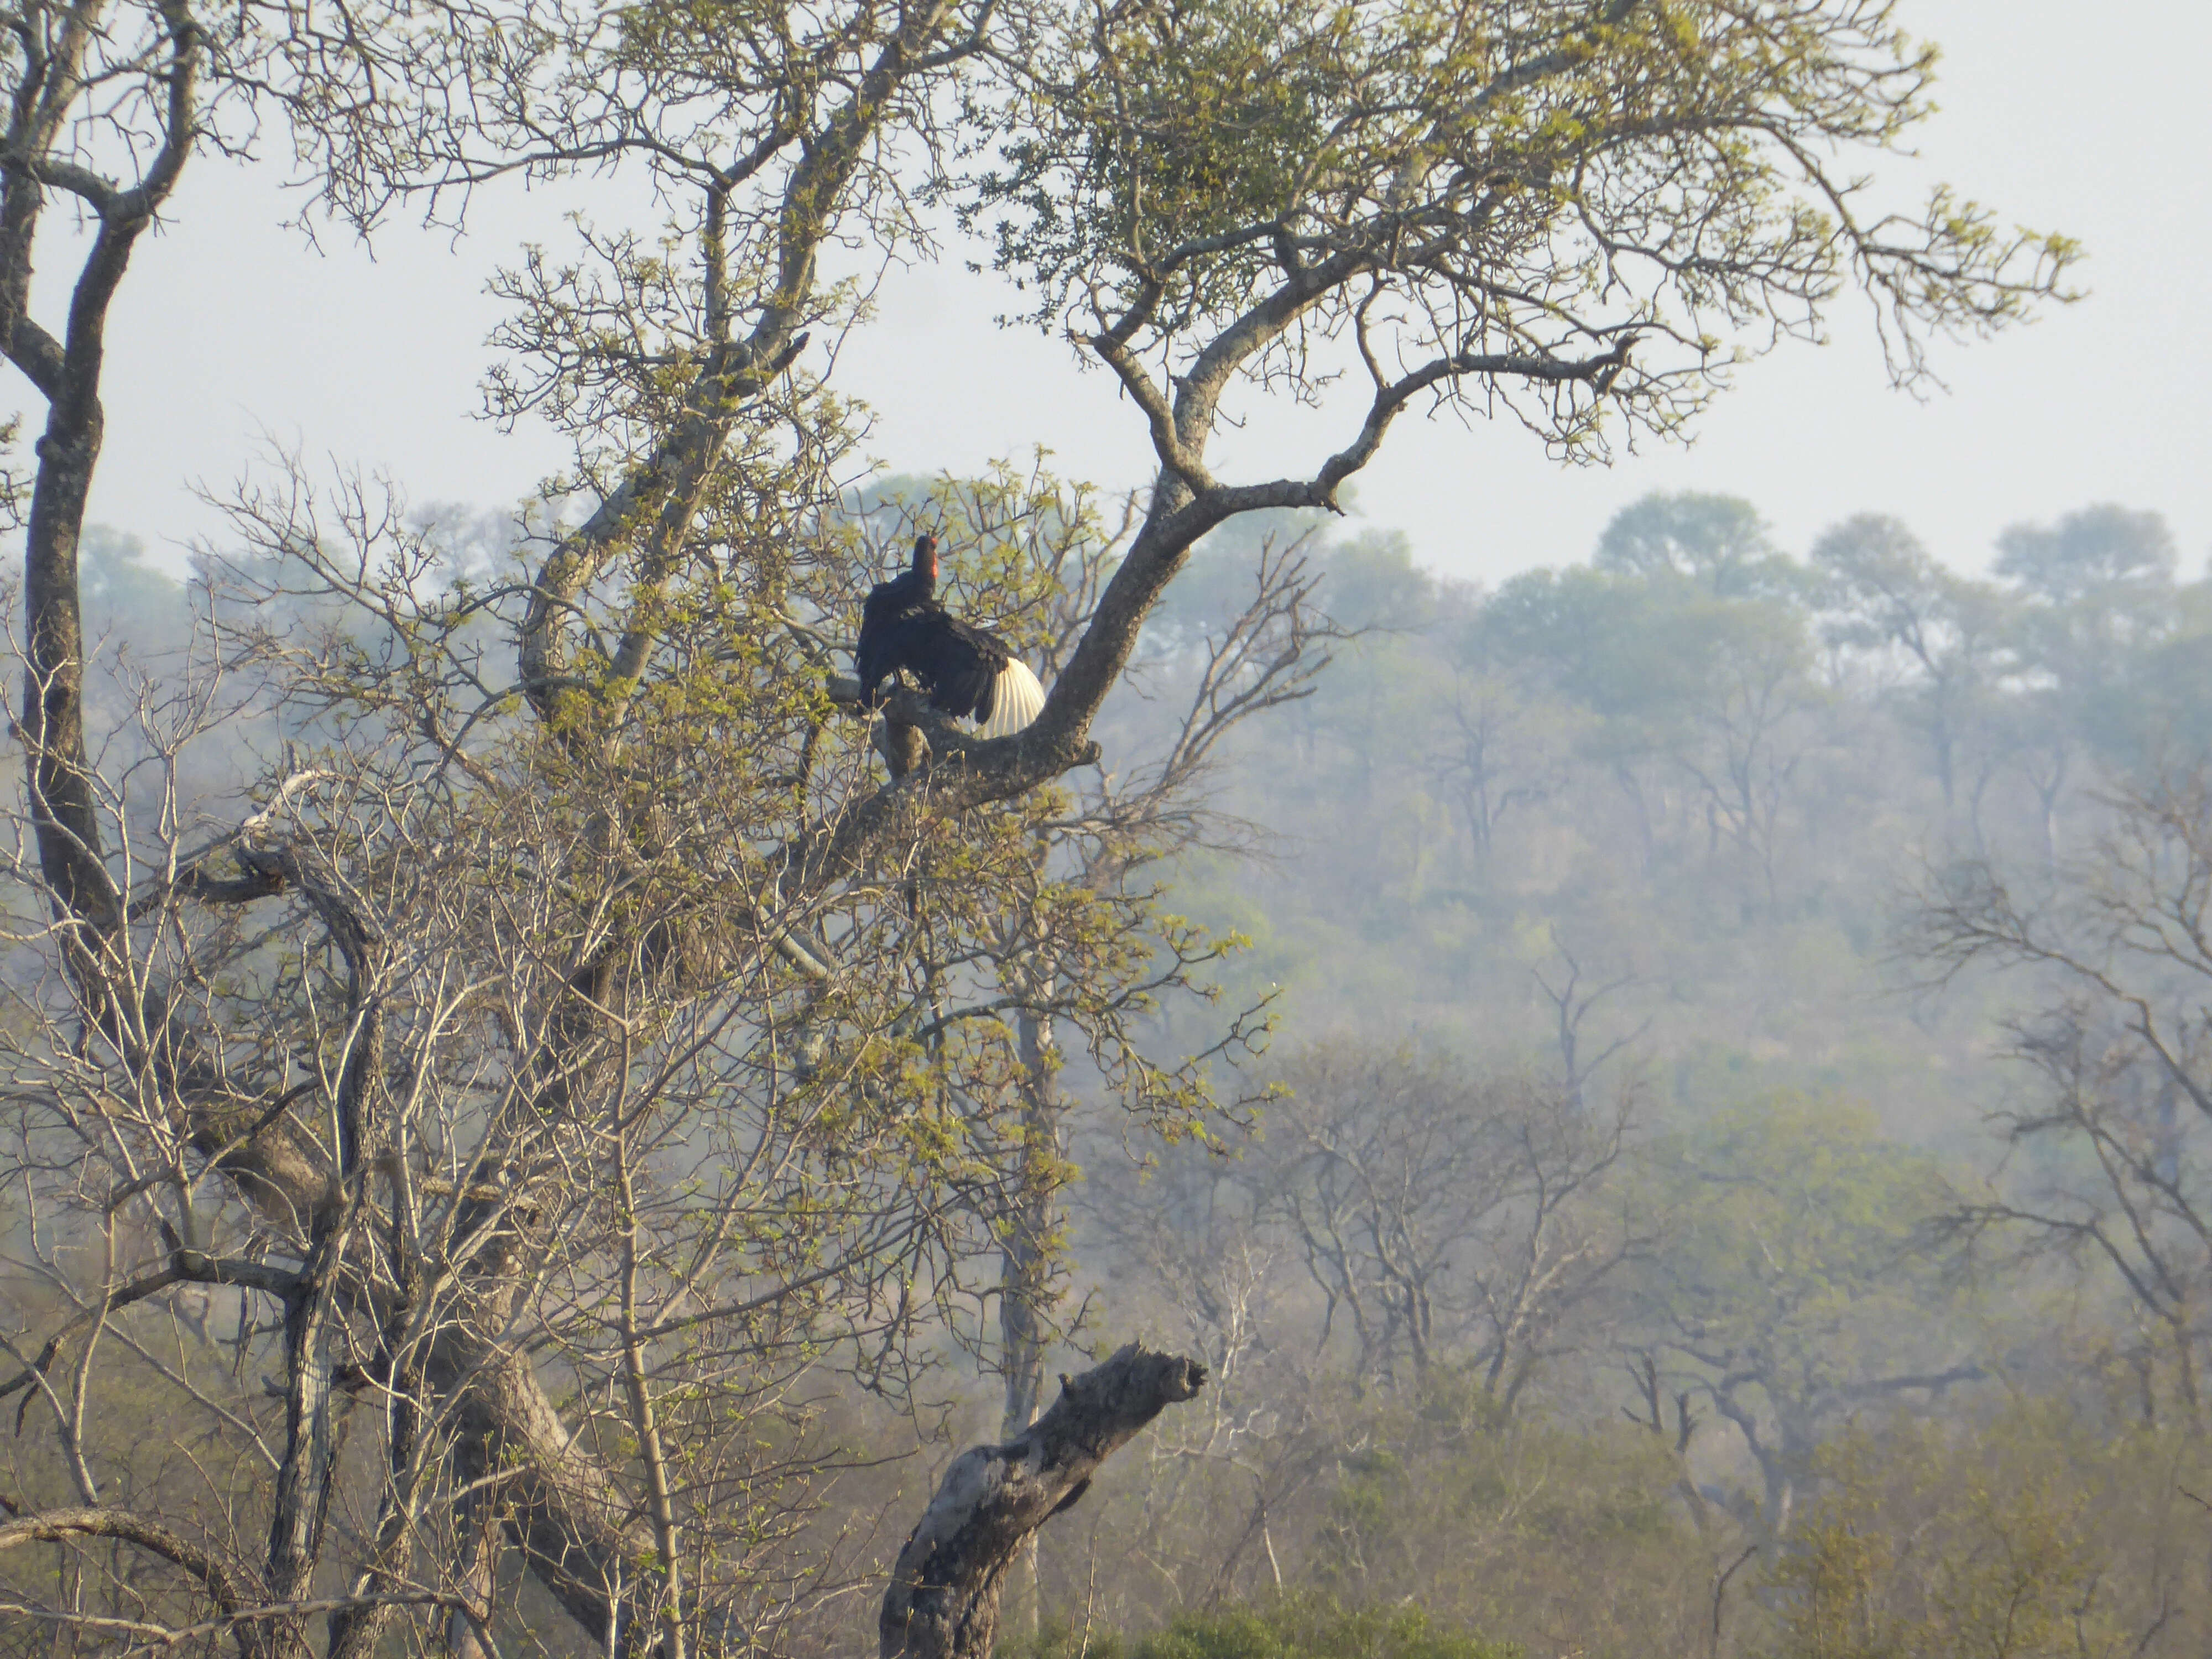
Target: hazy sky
pixel 2092 121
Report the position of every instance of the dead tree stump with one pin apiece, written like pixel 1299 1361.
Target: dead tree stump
pixel 943 1602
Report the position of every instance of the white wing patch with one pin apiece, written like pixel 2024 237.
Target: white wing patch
pixel 1017 701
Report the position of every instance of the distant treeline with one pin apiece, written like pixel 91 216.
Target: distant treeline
pixel 1700 763
pixel 1741 1162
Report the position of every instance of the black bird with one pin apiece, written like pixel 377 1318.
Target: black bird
pixel 966 671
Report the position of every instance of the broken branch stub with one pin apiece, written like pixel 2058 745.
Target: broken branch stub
pixel 943 1602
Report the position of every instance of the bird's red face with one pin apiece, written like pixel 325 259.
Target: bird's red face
pixel 929 560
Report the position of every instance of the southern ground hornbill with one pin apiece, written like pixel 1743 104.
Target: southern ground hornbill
pixel 966 671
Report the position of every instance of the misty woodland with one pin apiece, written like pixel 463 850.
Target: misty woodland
pixel 556 1097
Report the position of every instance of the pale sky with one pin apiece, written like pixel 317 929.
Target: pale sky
pixel 2091 120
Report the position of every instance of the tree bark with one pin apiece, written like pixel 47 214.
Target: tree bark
pixel 1025 1275
pixel 1025 1287
pixel 943 1602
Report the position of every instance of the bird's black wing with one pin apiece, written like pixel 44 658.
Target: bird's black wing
pixel 957 663
pixel 876 654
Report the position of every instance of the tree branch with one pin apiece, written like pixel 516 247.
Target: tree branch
pixel 230 1593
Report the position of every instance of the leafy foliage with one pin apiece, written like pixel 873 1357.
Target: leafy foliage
pixel 1312 1627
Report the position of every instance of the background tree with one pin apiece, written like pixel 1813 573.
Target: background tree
pixel 2109 1124
pixel 1716 543
pixel 1954 633
pixel 1790 1285
pixel 1441 1217
pixel 1504 745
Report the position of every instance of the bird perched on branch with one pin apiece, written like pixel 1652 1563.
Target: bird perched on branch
pixel 965 671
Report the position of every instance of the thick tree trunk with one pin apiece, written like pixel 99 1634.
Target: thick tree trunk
pixel 1025 1277
pixel 62 807
pixel 943 1602
pixel 1025 1287
pixel 561 1507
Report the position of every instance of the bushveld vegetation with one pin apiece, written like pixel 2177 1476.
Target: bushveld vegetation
pixel 1656 1106
pixel 1633 1232
pixel 1737 1187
